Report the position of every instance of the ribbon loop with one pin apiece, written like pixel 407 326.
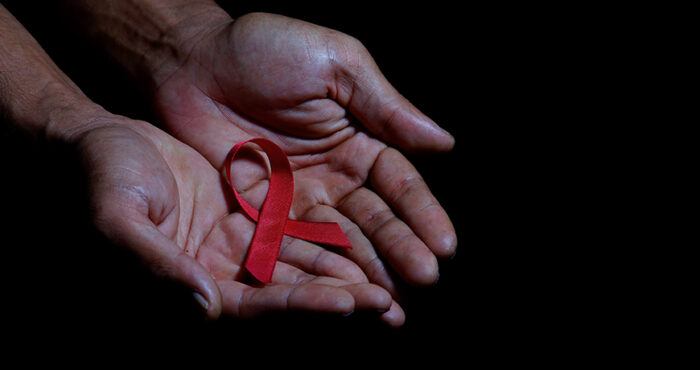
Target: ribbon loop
pixel 272 219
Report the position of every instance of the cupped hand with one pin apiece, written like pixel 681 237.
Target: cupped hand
pixel 320 96
pixel 165 202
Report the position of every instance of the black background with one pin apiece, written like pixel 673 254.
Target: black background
pixel 498 78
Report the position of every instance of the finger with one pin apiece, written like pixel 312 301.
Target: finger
pixel 166 259
pixel 405 252
pixel 244 301
pixel 224 249
pixel 362 253
pixel 397 181
pixel 369 296
pixel 366 296
pixel 395 316
pixel 373 101
pixel 318 261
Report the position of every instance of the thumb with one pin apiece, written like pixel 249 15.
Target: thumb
pixel 166 260
pixel 371 99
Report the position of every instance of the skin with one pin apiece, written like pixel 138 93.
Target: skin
pixel 166 202
pixel 160 198
pixel 330 117
pixel 216 81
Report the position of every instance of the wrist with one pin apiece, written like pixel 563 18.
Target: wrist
pixel 151 39
pixel 35 96
pixel 56 114
pixel 66 117
pixel 189 26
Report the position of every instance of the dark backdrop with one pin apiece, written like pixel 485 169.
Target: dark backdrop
pixel 477 71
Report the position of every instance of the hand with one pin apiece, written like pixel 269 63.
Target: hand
pixel 319 95
pixel 166 203
pixel 161 199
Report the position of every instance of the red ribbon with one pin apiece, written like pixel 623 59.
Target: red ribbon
pixel 272 220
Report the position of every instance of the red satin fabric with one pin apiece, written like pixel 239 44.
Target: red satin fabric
pixel 272 219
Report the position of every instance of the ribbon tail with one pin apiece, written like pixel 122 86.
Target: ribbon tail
pixel 272 219
pixel 328 233
pixel 261 268
pixel 264 249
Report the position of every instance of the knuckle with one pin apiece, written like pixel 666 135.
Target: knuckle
pixel 391 232
pixel 405 186
pixel 377 218
pixel 348 51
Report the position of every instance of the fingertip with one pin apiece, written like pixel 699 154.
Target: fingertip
pixel 212 311
pixel 424 272
pixel 446 246
pixel 449 141
pixel 205 291
pixel 215 307
pixel 344 303
pixel 411 130
pixel 434 138
pixel 344 269
pixel 440 237
pixel 419 267
pixel 354 274
pixel 383 299
pixel 369 297
pixel 394 317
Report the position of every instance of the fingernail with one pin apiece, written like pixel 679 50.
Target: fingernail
pixel 382 311
pixel 201 300
pixel 349 313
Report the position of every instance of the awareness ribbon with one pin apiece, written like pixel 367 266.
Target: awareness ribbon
pixel 272 219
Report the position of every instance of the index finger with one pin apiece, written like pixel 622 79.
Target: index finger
pixel 395 179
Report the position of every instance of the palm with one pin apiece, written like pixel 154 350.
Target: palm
pixel 306 88
pixel 164 200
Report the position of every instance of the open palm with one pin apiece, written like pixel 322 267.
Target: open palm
pixel 164 201
pixel 318 94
